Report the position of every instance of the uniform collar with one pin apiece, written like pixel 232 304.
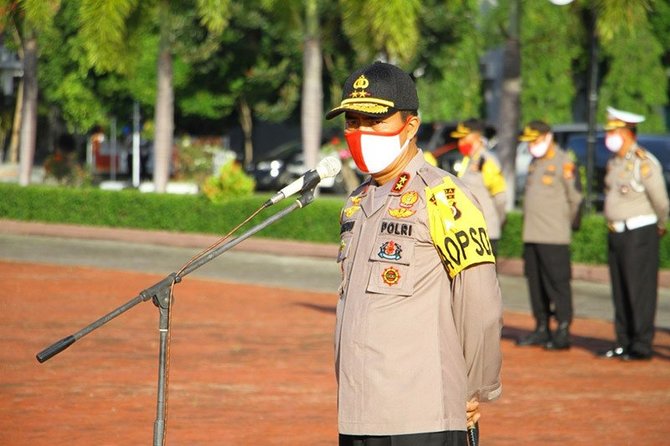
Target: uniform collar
pixel 399 185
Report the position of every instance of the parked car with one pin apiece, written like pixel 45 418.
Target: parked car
pixel 284 164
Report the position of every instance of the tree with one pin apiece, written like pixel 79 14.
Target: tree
pixel 24 20
pixel 382 28
pixel 449 84
pixel 509 115
pixel 255 71
pixel 312 88
pixel 549 89
pixel 635 79
pixel 106 25
pixel 66 82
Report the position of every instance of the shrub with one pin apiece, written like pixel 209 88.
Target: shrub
pixel 231 182
pixel 62 167
pixel 318 222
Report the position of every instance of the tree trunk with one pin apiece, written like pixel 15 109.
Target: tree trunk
pixel 247 124
pixel 508 125
pixel 312 91
pixel 13 156
pixel 164 114
pixel 29 115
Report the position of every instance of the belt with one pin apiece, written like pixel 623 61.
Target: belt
pixel 629 224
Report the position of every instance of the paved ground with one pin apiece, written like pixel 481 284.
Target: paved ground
pixel 251 353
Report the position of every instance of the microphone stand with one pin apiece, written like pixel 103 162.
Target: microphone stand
pixel 160 294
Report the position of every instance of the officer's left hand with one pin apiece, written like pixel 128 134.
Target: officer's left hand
pixel 662 231
pixel 472 412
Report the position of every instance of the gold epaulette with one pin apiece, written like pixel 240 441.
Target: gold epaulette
pixel 641 153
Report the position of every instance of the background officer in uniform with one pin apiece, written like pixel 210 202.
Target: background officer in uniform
pixel 636 209
pixel 480 171
pixel 551 203
pixel 419 316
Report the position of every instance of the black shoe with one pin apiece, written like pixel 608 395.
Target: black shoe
pixel 561 339
pixel 635 356
pixel 615 352
pixel 538 337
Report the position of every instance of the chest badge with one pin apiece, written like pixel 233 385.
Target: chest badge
pixel 547 180
pixel 391 276
pixel 390 251
pixel 407 200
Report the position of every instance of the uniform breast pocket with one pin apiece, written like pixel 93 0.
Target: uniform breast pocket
pixel 391 266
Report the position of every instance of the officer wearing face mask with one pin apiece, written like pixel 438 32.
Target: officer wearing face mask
pixel 550 205
pixel 480 171
pixel 419 315
pixel 636 209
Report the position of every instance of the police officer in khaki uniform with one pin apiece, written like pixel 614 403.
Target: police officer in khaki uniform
pixel 550 205
pixel 480 171
pixel 419 315
pixel 636 209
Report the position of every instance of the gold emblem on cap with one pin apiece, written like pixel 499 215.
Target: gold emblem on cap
pixel 529 134
pixel 361 83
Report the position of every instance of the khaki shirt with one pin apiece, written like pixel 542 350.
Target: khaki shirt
pixel 551 200
pixel 483 176
pixel 634 186
pixel 413 344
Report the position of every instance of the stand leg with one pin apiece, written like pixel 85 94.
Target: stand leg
pixel 163 302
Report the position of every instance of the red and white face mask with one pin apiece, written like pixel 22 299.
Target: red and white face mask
pixel 465 147
pixel 374 151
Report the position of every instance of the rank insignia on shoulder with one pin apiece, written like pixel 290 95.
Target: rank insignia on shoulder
pixel 568 171
pixel 390 251
pixel 391 276
pixel 351 210
pixel 355 206
pixel 401 182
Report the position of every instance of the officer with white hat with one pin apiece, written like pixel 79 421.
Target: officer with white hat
pixel 636 210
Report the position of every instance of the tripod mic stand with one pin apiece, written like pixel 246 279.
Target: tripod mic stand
pixel 161 295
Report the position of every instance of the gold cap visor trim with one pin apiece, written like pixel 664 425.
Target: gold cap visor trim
pixel 370 106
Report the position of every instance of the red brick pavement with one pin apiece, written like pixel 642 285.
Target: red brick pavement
pixel 252 365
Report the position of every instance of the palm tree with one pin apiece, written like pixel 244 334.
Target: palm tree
pixel 382 28
pixel 23 20
pixel 104 23
pixel 312 89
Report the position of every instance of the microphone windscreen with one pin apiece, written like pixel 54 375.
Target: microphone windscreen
pixel 329 167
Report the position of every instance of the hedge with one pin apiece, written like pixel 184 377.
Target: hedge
pixel 317 222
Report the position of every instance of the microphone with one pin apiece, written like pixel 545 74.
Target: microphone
pixel 327 168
